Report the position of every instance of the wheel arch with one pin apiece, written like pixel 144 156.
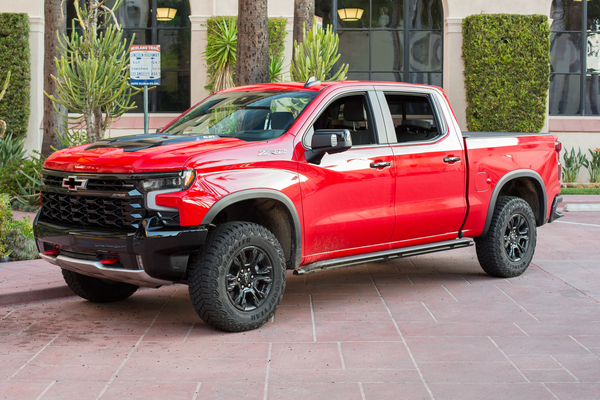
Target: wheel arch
pixel 526 184
pixel 267 207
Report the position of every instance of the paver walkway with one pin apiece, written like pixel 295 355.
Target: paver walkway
pixel 428 327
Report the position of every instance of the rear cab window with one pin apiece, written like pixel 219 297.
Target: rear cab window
pixel 414 117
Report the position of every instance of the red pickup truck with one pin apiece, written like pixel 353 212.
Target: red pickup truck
pixel 257 180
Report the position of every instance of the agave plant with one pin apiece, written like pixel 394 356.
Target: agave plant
pixel 572 165
pixel 316 55
pixel 220 53
pixel 275 69
pixel 593 165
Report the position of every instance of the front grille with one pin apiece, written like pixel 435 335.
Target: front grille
pixel 104 200
pixel 113 185
pixel 93 210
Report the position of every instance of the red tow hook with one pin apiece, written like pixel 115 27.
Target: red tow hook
pixel 109 261
pixel 54 252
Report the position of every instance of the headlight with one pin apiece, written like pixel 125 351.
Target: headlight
pixel 181 182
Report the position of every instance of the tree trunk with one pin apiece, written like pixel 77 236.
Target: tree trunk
pixel 253 43
pixel 304 11
pixel 54 22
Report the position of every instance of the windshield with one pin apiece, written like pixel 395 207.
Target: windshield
pixel 249 116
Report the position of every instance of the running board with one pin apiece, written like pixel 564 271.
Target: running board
pixel 386 255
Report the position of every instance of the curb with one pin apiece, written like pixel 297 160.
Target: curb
pixel 582 207
pixel 21 298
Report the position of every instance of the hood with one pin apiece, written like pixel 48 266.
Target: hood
pixel 140 153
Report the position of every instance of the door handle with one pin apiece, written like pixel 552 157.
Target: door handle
pixel 381 164
pixel 451 159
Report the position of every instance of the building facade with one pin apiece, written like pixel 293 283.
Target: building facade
pixel 393 40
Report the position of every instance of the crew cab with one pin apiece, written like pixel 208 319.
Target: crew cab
pixel 257 180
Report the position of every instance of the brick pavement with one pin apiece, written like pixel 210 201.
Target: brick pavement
pixel 432 326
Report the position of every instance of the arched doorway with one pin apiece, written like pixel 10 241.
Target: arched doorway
pixel 388 40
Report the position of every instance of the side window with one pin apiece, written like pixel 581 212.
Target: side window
pixel 413 116
pixel 352 113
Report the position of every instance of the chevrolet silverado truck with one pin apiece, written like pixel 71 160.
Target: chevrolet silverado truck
pixel 254 181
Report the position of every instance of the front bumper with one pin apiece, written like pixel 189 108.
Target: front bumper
pixel 153 255
pixel 554 215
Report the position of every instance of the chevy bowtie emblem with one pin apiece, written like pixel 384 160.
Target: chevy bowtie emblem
pixel 72 183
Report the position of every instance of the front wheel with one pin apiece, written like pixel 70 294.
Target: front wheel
pixel 506 250
pixel 237 280
pixel 98 290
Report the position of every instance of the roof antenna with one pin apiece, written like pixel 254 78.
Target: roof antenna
pixel 312 81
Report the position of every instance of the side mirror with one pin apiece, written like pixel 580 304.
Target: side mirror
pixel 329 141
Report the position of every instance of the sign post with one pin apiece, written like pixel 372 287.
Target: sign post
pixel 144 70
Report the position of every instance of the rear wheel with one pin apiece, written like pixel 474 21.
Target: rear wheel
pixel 98 290
pixel 237 280
pixel 506 250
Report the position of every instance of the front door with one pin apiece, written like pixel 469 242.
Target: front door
pixel 348 199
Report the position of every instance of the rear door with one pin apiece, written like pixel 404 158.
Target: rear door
pixel 430 167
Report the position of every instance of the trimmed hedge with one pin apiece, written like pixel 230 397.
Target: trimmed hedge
pixel 14 57
pixel 277 35
pixel 507 71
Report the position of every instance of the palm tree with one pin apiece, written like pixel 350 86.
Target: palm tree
pixel 253 43
pixel 304 10
pixel 55 22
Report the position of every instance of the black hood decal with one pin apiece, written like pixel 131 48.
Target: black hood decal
pixel 141 142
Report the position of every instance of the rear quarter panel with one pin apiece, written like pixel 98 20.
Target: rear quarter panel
pixel 492 156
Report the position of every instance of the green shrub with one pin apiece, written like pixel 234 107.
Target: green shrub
pixel 14 57
pixel 5 220
pixel 507 70
pixel 20 241
pixel 277 35
pixel 20 179
pixel 16 237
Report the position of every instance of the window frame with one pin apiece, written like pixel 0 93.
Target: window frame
pixel 377 118
pixel 583 70
pixel 404 74
pixel 442 127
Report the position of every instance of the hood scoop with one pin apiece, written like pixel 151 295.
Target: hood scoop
pixel 142 142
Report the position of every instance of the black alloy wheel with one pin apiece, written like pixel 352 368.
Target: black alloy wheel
pixel 237 279
pixel 506 250
pixel 250 278
pixel 516 238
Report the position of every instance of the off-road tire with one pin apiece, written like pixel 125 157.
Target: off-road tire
pixel 506 250
pixel 98 290
pixel 236 281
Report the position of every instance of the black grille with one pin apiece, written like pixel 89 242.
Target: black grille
pixel 93 210
pixel 112 185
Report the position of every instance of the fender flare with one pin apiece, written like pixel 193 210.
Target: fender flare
pixel 251 194
pixel 519 173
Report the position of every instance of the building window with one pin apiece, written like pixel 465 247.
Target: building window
pixel 575 52
pixel 388 40
pixel 163 22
